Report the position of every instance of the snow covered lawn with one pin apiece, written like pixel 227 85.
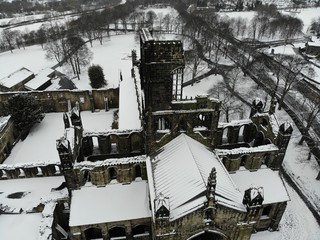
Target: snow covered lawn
pixel 21 226
pixel 40 145
pixel 36 191
pixel 97 121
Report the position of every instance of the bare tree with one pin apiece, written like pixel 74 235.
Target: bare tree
pixel 287 71
pixel 229 103
pixel 313 112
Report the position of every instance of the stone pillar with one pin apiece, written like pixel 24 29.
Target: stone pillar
pixel 104 144
pixel 30 171
pixel 48 170
pixel 129 232
pixel 12 173
pixel 87 146
pixel 144 175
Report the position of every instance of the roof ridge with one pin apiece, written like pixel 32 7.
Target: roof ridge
pixel 193 156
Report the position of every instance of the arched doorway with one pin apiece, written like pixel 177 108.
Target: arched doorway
pixel 93 233
pixel 208 235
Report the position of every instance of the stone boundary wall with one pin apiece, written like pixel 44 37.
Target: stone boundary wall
pixel 57 100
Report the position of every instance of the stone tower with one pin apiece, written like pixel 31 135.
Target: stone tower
pixel 161 71
pixel 66 159
pixel 282 141
pixel 256 107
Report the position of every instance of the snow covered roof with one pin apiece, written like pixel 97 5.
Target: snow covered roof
pixel 112 203
pixel 16 77
pixel 273 186
pixel 315 42
pixel 245 150
pixel 180 171
pixel 4 122
pixel 40 78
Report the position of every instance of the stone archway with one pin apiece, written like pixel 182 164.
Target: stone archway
pixel 208 235
pixel 93 233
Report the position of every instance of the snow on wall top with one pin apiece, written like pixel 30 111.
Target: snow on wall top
pixel 110 162
pixel 3 122
pixel 15 77
pixel 180 171
pixel 245 150
pixel 234 123
pixel 112 203
pixel 129 117
pixel 146 35
pixel 273 187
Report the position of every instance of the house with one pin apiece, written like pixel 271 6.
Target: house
pixel 182 174
pixel 313 47
pixel 16 80
pixel 41 80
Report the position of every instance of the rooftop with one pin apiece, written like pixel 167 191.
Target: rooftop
pixel 16 77
pixel 40 78
pixel 273 186
pixel 112 203
pixel 180 171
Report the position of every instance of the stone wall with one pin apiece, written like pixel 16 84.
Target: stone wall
pixel 29 170
pixel 57 101
pixel 113 143
pixel 104 172
pixel 128 226
pixel 197 118
pixel 6 140
pixel 250 160
pixel 225 224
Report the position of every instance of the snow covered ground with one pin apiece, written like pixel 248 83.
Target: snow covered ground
pixel 24 195
pixel 40 145
pixel 22 226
